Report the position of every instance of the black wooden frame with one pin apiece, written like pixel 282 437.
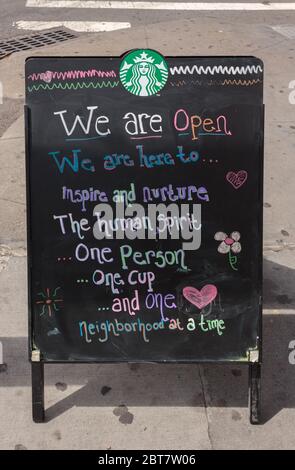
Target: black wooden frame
pixel 37 363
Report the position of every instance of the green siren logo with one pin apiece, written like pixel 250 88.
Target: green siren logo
pixel 143 72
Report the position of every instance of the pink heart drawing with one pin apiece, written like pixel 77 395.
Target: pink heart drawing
pixel 200 298
pixel 47 76
pixel 237 179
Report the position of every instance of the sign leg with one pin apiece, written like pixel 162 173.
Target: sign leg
pixel 38 392
pixel 255 392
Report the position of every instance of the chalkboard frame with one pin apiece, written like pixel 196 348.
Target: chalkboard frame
pixel 35 356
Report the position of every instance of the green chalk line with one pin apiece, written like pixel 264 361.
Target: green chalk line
pixel 72 86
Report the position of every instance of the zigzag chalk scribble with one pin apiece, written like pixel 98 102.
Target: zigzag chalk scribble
pixel 216 69
pixel 72 74
pixel 186 82
pixel 72 86
pixel 241 82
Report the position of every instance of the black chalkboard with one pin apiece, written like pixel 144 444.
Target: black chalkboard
pixel 100 300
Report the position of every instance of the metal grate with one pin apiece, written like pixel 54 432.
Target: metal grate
pixel 25 43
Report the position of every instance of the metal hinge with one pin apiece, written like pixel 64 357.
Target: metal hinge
pixel 36 356
pixel 253 355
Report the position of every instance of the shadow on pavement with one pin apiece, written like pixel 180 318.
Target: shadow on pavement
pixel 176 384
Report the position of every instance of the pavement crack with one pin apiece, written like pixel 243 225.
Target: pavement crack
pixel 6 252
pixel 14 202
pixel 4 139
pixel 279 247
pixel 205 407
pixel 146 37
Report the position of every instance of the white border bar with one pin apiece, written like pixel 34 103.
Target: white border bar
pixel 78 26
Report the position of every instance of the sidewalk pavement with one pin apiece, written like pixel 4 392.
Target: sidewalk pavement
pixel 157 406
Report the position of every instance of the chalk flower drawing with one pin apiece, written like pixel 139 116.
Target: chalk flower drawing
pixel 49 301
pixel 143 72
pixel 229 244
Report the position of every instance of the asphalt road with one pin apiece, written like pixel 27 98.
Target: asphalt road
pixel 14 11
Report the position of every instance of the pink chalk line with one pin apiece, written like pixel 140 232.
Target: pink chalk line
pixel 71 74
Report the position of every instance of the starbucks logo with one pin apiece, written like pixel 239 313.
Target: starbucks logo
pixel 143 72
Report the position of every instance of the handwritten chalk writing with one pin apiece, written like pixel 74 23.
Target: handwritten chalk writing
pixel 160 301
pixel 108 279
pixel 194 123
pixel 104 329
pixel 114 160
pixel 100 125
pixel 192 157
pixel 75 226
pixel 142 124
pixel 114 279
pixel 133 185
pixel 157 220
pixel 136 277
pixel 100 255
pixel 125 195
pixel 172 224
pixel 160 220
pixel 71 74
pixel 82 196
pixel 206 325
pixel 159 258
pixel 151 161
pixel 107 226
pixel 75 165
pixel 126 305
pixel 174 324
pixel 179 224
pixel 146 160
pixel 180 193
